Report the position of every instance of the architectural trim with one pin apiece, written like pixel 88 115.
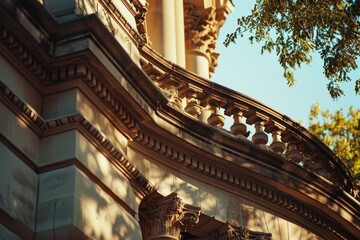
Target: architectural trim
pixel 232 102
pixel 21 52
pixel 239 183
pixel 79 122
pixel 217 173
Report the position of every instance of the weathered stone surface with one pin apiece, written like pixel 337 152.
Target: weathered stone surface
pixel 18 188
pixel 59 104
pixel 18 84
pixel 57 148
pixel 5 234
pixel 71 206
pixel 18 133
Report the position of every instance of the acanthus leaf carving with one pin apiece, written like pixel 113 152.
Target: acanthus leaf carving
pixel 201 32
pixel 166 217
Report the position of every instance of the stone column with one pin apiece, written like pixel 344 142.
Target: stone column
pixel 180 33
pixel 198 62
pixel 161 24
pixel 200 33
pixel 203 20
pixel 163 218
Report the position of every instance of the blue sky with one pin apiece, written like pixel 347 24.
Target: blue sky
pixel 242 68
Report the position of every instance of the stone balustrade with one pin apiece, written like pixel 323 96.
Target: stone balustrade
pixel 195 95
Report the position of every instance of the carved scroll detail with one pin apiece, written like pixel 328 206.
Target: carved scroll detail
pixel 166 217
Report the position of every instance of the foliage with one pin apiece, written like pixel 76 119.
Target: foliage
pixel 297 28
pixel 340 132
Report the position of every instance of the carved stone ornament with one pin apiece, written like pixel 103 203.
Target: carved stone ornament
pixel 166 217
pixel 232 232
pixel 140 18
pixel 201 31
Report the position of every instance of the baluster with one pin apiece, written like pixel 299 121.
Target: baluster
pixel 293 153
pixel 239 128
pixel 277 145
pixel 170 87
pixel 193 104
pixel 325 173
pixel 314 162
pixel 310 164
pixel 237 112
pixel 216 119
pixel 258 119
pixel 153 73
pixel 259 137
pixel 308 155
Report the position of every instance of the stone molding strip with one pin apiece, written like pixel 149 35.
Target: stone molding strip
pixel 21 53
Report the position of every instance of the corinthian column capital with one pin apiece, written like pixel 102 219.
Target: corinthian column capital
pixel 202 21
pixel 166 217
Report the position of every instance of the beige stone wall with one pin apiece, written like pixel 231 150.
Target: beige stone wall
pixel 18 189
pixel 112 13
pixel 59 184
pixel 64 202
pixel 70 204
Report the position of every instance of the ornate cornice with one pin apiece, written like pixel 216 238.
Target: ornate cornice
pixel 74 121
pixel 204 170
pixel 20 51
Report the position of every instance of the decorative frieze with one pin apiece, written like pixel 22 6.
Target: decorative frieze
pixel 166 217
pixel 22 53
pixel 140 17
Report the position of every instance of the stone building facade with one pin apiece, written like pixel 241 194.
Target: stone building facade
pixel 111 129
